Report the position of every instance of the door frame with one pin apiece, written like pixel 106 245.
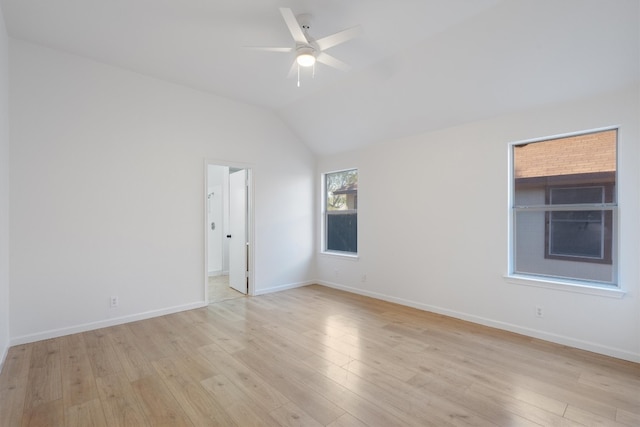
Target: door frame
pixel 250 222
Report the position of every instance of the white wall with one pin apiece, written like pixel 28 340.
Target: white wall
pixel 433 214
pixel 4 193
pixel 108 193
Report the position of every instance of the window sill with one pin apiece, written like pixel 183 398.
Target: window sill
pixel 341 255
pixel 560 285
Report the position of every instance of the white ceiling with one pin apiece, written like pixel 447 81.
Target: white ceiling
pixel 419 64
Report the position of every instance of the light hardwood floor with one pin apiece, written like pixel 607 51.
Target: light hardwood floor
pixel 218 289
pixel 312 356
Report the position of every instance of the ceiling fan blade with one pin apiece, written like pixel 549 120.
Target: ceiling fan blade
pixel 329 60
pixel 294 27
pixel 270 49
pixel 339 37
pixel 293 70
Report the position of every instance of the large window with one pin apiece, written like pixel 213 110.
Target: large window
pixel 564 208
pixel 341 211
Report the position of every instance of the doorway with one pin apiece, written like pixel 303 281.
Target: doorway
pixel 228 236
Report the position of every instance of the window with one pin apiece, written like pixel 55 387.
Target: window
pixel 341 211
pixel 564 206
pixel 579 235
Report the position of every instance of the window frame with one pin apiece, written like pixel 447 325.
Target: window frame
pixel 608 289
pixel 325 214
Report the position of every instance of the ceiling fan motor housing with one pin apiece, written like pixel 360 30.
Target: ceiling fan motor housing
pixel 305 55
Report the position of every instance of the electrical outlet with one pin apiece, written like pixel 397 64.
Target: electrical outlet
pixel 539 311
pixel 113 302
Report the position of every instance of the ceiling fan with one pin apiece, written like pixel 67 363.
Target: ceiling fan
pixel 307 49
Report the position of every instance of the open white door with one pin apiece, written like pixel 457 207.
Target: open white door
pixel 238 231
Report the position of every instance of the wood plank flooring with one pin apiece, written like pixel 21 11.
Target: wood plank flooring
pixel 312 356
pixel 218 289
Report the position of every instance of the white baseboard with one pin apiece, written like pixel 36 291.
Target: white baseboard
pixel 534 333
pixel 54 333
pixel 284 287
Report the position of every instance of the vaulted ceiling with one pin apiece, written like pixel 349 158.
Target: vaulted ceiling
pixel 418 65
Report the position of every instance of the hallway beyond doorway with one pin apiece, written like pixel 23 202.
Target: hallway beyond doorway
pixel 218 289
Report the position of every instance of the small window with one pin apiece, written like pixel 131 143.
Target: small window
pixel 341 211
pixel 579 235
pixel 563 207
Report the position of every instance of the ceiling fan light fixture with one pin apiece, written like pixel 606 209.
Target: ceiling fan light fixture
pixel 305 57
